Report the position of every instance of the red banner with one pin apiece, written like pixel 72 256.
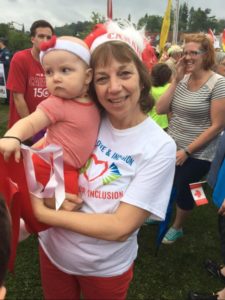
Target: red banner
pixel 13 189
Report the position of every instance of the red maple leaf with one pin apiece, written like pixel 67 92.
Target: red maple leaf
pixel 198 193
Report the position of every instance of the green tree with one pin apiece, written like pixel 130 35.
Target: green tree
pixel 183 17
pixel 4 30
pixel 17 39
pixel 200 21
pixel 221 25
pixel 152 23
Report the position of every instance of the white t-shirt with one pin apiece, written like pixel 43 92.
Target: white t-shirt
pixel 134 165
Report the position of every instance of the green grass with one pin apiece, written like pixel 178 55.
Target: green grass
pixel 168 276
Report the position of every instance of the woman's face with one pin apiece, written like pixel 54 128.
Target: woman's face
pixel 117 86
pixel 193 57
pixel 220 68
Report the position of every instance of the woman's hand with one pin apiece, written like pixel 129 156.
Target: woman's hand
pixel 181 157
pixel 221 210
pixel 180 69
pixel 42 212
pixel 72 202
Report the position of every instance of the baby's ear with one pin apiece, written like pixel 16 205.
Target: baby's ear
pixel 89 75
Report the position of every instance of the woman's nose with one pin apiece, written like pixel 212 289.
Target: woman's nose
pixel 114 85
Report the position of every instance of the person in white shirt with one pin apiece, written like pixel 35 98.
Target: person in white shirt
pixel 127 178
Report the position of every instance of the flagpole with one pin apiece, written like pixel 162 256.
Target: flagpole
pixel 109 9
pixel 176 22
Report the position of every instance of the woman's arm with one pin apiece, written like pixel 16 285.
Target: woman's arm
pixel 217 125
pixel 112 227
pixel 162 106
pixel 164 102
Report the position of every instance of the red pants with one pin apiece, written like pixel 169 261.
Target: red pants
pixel 59 285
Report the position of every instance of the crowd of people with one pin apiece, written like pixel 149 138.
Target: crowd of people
pixel 127 131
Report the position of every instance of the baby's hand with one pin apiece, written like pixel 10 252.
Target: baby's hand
pixel 8 146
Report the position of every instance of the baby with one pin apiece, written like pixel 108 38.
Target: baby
pixel 70 116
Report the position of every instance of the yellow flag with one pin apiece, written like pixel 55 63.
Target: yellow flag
pixel 165 26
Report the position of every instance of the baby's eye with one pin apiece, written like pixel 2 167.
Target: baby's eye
pixel 65 70
pixel 48 72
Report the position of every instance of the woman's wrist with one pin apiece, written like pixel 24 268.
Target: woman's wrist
pixel 176 80
pixel 187 152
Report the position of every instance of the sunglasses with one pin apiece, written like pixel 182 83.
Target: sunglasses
pixel 193 53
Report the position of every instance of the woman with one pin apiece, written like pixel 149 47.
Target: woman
pixel 92 251
pixel 197 105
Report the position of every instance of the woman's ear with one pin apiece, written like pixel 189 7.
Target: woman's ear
pixel 89 75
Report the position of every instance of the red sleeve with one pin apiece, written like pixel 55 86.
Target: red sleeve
pixel 53 108
pixel 17 76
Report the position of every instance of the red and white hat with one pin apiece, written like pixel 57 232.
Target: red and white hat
pixel 65 44
pixel 122 31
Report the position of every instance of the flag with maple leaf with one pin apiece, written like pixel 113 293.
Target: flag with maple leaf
pixel 198 193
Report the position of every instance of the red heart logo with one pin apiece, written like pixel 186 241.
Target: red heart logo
pixel 100 167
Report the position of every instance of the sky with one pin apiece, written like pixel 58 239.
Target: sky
pixel 61 12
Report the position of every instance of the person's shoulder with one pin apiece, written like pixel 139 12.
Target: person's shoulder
pixel 22 53
pixel 215 81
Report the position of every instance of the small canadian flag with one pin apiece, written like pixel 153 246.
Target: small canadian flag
pixel 198 193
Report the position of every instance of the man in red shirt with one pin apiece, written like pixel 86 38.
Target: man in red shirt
pixel 26 79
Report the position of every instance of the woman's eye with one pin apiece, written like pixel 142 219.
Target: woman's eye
pixel 100 79
pixel 125 73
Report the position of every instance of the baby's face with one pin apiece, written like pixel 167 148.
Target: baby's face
pixel 67 76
